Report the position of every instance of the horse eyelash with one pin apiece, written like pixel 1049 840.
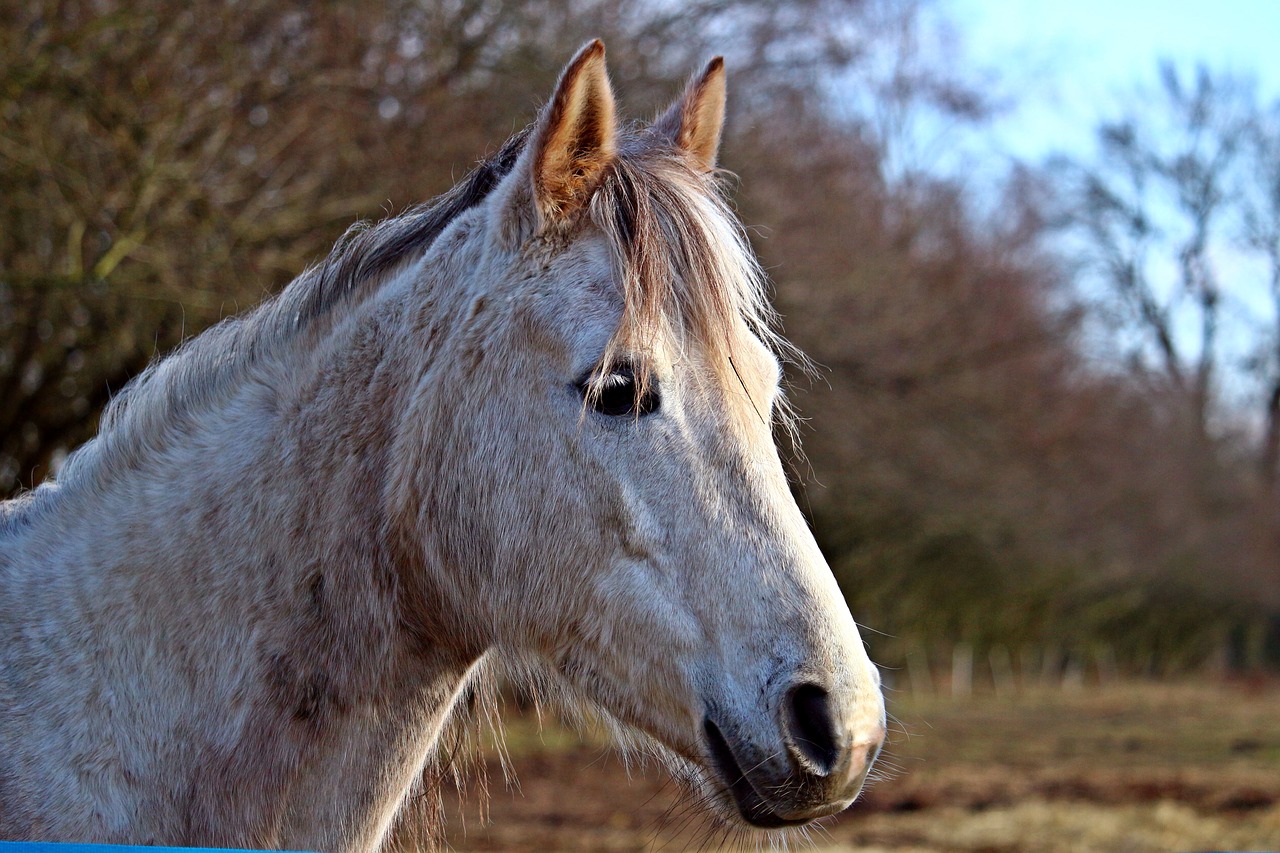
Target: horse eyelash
pixel 617 374
pixel 616 378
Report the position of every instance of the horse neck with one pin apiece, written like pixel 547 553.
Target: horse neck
pixel 274 492
pixel 260 553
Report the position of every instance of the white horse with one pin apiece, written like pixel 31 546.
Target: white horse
pixel 529 424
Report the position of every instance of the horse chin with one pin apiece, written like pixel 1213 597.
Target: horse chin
pixel 736 792
pixel 723 792
pixel 727 806
pixel 716 797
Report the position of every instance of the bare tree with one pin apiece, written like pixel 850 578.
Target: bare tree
pixel 1260 192
pixel 153 183
pixel 1151 208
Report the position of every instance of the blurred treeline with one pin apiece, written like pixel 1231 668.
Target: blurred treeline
pixel 1032 429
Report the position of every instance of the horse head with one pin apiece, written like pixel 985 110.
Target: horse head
pixel 588 474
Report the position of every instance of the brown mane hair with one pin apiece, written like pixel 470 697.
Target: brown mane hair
pixel 683 260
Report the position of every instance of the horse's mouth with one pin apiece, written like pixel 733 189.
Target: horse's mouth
pixel 751 805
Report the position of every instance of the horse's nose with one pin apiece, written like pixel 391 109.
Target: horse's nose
pixel 825 743
pixel 810 731
pixel 809 764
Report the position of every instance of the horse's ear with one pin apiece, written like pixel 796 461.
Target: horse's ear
pixel 696 120
pixel 570 147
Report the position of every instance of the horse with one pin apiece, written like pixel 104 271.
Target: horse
pixel 525 429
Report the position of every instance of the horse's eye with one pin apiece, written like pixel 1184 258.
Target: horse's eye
pixel 615 394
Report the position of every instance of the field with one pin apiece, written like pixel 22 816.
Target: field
pixel 1143 767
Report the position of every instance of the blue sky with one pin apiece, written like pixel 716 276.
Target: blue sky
pixel 1072 63
pixel 1066 66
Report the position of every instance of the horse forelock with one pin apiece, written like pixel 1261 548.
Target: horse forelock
pixel 684 262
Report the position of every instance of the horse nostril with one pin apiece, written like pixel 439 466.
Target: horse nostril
pixel 813 733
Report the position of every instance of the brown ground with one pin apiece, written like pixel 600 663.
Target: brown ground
pixel 1131 768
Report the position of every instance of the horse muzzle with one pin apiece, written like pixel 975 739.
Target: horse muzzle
pixel 813 767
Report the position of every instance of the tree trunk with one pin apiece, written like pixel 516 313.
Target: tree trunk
pixel 1271 438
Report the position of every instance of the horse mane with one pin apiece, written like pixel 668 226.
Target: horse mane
pixel 213 364
pixel 365 255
